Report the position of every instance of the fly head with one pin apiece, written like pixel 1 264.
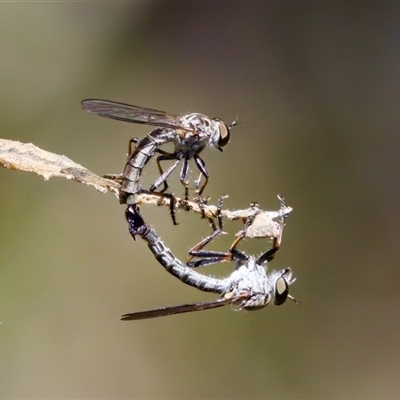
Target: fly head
pixel 281 287
pixel 222 133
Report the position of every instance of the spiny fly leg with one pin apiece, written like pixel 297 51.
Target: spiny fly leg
pixel 164 175
pixel 283 210
pixel 172 203
pixel 131 144
pixel 207 256
pixel 202 167
pixel 237 254
pixel 182 178
pixel 163 180
pixel 276 243
pixel 113 177
pixel 202 202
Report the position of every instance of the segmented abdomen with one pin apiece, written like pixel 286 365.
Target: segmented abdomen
pixel 140 156
pixel 175 267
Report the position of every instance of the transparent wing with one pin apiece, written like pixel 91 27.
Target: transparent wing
pixel 129 113
pixel 183 308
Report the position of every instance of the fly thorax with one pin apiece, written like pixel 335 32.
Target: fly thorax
pixel 250 277
pixel 188 145
pixel 198 125
pixel 192 140
pixel 251 290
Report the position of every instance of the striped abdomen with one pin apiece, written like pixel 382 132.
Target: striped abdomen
pixel 140 156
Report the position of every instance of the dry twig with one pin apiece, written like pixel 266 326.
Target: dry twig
pixel 28 157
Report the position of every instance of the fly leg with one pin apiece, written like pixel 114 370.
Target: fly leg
pixel 202 167
pixel 172 202
pixel 212 257
pixel 118 177
pixel 182 177
pixel 131 143
pixel 163 180
pixel 237 254
pixel 164 175
pixel 202 203
pixel 113 177
pixel 276 243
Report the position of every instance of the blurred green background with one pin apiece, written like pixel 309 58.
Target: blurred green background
pixel 316 88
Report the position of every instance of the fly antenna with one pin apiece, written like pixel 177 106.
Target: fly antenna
pixel 234 123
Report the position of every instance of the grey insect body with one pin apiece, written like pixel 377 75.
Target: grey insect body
pixel 249 287
pixel 190 134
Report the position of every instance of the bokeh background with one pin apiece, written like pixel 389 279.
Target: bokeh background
pixel 316 88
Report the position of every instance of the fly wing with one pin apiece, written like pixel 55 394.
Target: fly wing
pixel 183 308
pixel 129 113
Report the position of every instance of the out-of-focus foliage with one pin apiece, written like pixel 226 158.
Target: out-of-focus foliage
pixel 316 87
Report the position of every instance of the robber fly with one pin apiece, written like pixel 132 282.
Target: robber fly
pixel 189 133
pixel 249 287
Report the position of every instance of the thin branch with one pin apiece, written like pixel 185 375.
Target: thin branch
pixel 28 157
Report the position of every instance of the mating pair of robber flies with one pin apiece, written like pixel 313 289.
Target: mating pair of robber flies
pixel 249 287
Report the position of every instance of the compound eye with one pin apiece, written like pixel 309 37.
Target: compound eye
pixel 223 134
pixel 281 291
